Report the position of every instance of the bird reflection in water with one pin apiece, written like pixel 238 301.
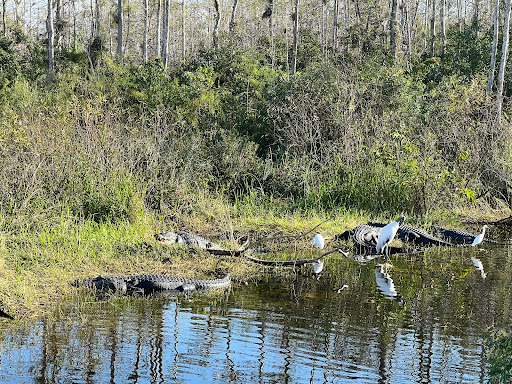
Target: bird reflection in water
pixel 385 283
pixel 478 264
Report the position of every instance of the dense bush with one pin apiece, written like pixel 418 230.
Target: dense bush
pixel 362 134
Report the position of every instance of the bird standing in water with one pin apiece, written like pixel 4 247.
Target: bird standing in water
pixel 387 234
pixel 318 242
pixel 480 237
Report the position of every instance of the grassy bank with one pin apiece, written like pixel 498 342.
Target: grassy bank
pixel 227 145
pixel 38 263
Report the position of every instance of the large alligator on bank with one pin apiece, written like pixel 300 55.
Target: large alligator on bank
pixel 407 234
pixel 459 237
pixel 365 238
pixel 186 239
pixel 152 283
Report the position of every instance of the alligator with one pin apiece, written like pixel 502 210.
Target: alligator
pixel 407 234
pixel 186 239
pixel 151 283
pixel 460 237
pixel 365 237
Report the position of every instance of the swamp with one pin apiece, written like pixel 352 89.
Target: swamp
pixel 255 124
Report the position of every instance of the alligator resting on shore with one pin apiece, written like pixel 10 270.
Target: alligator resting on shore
pixel 185 238
pixel 365 237
pixel 152 283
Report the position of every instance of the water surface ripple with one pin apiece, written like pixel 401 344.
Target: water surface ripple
pixel 432 329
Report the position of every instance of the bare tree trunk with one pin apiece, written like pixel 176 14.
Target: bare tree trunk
pixel 110 37
pixel 504 54
pixel 459 16
pixel 433 28
pixel 128 18
pixel 443 27
pixel 58 24
pixel 392 28
pixel 50 31
pixel 271 31
pixel 476 15
pixel 97 18
pixel 158 26
pixel 408 31
pixel 145 37
pixel 425 28
pixel 295 36
pixel 93 19
pixel 335 26
pixel 165 41
pixel 183 30
pixel 4 17
pixel 494 48
pixel 216 25
pixel 74 26
pixel 119 51
pixel 323 29
pixel 233 14
pixel 269 13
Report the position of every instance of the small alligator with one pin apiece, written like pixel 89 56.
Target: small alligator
pixel 186 239
pixel 150 283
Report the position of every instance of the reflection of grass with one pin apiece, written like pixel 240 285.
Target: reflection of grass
pixel 500 359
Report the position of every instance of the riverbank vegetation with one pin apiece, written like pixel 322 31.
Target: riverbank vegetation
pixel 249 131
pixel 250 125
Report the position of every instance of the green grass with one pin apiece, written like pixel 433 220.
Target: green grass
pixel 38 263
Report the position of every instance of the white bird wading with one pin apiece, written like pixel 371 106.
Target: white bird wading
pixel 387 234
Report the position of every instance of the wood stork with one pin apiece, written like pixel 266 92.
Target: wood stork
pixel 480 237
pixel 387 234
pixel 385 282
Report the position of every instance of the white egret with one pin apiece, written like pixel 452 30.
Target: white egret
pixel 478 264
pixel 480 237
pixel 318 242
pixel 387 234
pixel 318 266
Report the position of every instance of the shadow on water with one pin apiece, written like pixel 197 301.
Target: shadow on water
pixel 423 319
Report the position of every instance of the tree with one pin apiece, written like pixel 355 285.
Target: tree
pixel 145 37
pixel 50 31
pixel 119 51
pixel 494 48
pixel 443 27
pixel 295 36
pixel 503 62
pixel 216 24
pixel 233 14
pixel 4 21
pixel 158 26
pixel 392 28
pixel 269 13
pixel 182 29
pixel 165 41
pixel 432 28
pixel 335 26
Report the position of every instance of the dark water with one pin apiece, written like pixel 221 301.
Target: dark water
pixel 429 326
